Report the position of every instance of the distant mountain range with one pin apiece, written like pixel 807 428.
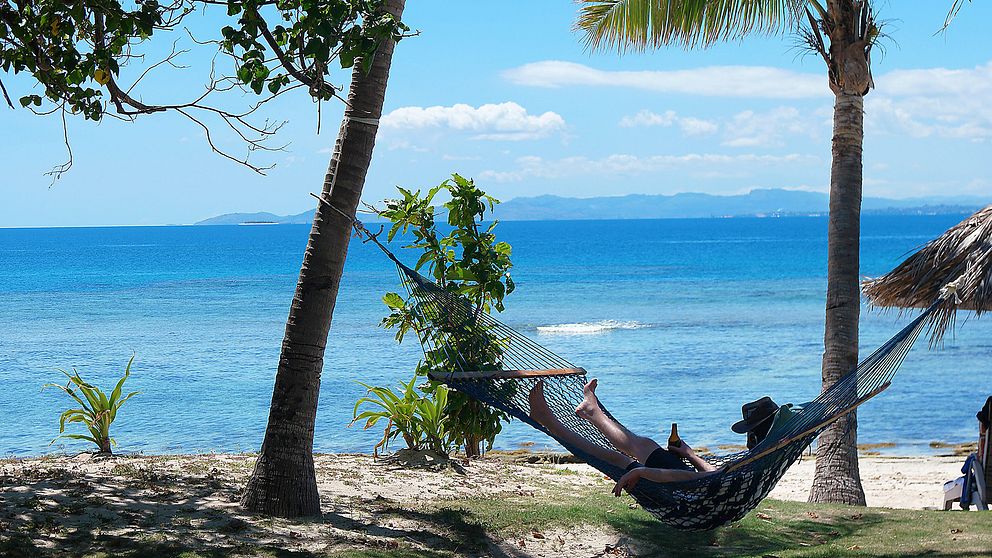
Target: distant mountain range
pixel 261 218
pixel 756 203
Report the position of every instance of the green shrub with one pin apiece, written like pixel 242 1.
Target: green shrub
pixel 470 263
pixel 417 417
pixel 97 411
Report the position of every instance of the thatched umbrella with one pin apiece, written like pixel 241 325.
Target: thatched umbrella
pixel 961 258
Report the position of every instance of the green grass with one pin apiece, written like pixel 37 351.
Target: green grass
pixel 776 528
pixel 781 529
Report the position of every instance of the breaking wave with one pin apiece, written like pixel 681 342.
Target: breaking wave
pixel 586 328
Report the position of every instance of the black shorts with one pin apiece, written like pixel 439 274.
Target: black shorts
pixel 661 459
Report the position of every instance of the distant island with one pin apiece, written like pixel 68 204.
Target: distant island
pixel 304 218
pixel 756 203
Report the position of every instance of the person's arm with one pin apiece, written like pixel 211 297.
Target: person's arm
pixel 686 452
pixel 629 480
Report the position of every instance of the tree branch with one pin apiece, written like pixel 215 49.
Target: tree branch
pixel 284 60
pixel 5 95
pixel 57 172
pixel 210 142
pixel 104 37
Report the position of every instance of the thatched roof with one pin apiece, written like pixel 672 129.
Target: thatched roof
pixel 962 255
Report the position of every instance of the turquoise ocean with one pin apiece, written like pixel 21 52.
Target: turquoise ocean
pixel 682 321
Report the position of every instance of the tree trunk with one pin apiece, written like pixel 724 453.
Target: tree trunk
pixel 473 446
pixel 283 482
pixel 837 477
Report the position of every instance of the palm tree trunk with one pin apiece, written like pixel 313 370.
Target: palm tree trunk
pixel 284 482
pixel 837 476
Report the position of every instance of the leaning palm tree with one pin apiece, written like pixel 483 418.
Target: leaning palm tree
pixel 842 33
pixel 284 481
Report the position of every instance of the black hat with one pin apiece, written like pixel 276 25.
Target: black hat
pixel 985 415
pixel 755 413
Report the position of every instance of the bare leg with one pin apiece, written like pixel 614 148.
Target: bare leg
pixel 626 441
pixel 540 412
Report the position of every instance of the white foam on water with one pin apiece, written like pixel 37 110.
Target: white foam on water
pixel 586 328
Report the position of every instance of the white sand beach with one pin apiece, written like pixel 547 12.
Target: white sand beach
pixel 889 482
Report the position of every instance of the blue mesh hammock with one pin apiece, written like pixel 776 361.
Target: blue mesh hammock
pixel 450 324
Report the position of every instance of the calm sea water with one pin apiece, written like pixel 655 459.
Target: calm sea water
pixel 682 321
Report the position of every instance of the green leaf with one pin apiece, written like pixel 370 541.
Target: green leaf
pixel 424 258
pixel 76 437
pixel 244 74
pixel 96 411
pixel 393 301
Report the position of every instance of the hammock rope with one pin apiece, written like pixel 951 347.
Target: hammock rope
pixel 504 381
pixel 500 366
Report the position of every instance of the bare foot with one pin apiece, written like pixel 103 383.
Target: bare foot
pixel 590 404
pixel 539 409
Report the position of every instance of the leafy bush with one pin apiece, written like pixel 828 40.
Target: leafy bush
pixel 470 263
pixel 419 418
pixel 97 411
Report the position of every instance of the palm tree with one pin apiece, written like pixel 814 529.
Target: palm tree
pixel 843 33
pixel 283 482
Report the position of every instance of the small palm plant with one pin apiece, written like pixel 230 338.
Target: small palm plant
pixel 97 411
pixel 398 409
pixel 418 418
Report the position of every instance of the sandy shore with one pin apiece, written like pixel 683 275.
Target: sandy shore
pixel 889 482
pixel 914 482
pixel 79 503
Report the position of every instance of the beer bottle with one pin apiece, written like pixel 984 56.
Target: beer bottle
pixel 674 441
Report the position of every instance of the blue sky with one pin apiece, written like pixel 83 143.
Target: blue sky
pixel 506 93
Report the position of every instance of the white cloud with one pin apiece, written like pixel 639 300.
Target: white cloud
pixel 697 126
pixel 502 122
pixel 394 144
pixel 628 165
pixel 928 102
pixel 689 125
pixel 929 82
pixel 648 118
pixel 745 129
pixel 716 81
pixel 933 102
pixel 769 128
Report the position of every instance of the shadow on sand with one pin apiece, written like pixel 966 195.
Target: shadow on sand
pixel 143 512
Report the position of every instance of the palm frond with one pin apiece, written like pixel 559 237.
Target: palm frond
pixel 641 24
pixel 953 13
pixel 962 255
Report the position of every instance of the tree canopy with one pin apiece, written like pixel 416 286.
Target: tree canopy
pixel 88 58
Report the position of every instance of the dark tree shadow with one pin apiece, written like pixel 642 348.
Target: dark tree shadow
pixel 144 512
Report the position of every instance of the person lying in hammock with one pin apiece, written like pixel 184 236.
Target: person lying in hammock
pixel 652 461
